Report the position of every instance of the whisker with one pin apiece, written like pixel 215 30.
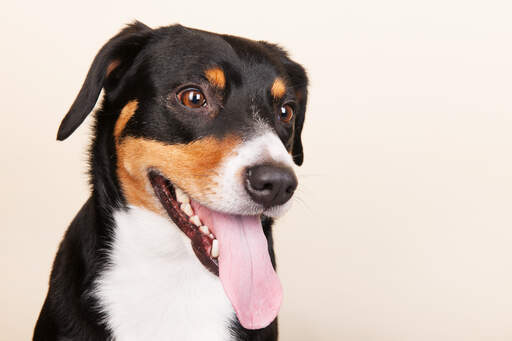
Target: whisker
pixel 306 206
pixel 308 175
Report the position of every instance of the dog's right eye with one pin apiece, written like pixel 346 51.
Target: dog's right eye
pixel 192 98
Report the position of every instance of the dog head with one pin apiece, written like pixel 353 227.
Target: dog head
pixel 204 128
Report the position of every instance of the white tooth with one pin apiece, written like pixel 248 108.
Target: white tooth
pixel 215 249
pixel 204 229
pixel 187 209
pixel 195 219
pixel 181 196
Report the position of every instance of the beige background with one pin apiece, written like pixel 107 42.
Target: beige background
pixel 403 225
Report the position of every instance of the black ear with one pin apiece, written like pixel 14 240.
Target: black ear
pixel 113 58
pixel 299 81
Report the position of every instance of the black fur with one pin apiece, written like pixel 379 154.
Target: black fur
pixel 153 66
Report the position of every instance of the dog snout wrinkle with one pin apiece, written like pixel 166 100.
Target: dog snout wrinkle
pixel 270 185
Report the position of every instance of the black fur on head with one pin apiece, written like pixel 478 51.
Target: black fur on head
pixel 152 65
pixel 142 57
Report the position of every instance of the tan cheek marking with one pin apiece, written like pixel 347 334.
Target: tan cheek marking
pixel 278 88
pixel 111 67
pixel 126 113
pixel 131 185
pixel 191 167
pixel 135 190
pixel 216 77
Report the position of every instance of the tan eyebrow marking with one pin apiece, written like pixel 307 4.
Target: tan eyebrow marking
pixel 278 88
pixel 216 77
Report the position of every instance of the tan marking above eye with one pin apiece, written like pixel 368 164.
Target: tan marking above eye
pixel 126 113
pixel 278 88
pixel 191 166
pixel 216 77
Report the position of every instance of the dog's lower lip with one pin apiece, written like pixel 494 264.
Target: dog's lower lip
pixel 178 208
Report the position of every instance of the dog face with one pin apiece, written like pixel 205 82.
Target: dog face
pixel 206 130
pixel 200 109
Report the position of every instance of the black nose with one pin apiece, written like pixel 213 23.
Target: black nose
pixel 270 185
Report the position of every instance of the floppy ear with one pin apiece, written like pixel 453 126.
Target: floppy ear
pixel 106 70
pixel 299 81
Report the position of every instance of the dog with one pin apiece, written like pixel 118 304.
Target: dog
pixel 190 163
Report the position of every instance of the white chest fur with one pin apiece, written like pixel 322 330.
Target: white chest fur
pixel 155 288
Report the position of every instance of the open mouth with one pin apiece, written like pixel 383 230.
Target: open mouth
pixel 230 246
pixel 179 208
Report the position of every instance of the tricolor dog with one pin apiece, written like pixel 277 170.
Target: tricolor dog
pixel 191 160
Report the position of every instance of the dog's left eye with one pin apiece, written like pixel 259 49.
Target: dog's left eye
pixel 192 98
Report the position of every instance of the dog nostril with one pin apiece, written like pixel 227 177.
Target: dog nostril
pixel 268 186
pixel 290 189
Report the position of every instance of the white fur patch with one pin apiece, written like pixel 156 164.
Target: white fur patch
pixel 155 287
pixel 230 195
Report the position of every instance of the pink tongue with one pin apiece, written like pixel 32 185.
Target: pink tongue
pixel 245 270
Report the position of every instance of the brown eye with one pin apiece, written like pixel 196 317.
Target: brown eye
pixel 286 113
pixel 192 98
